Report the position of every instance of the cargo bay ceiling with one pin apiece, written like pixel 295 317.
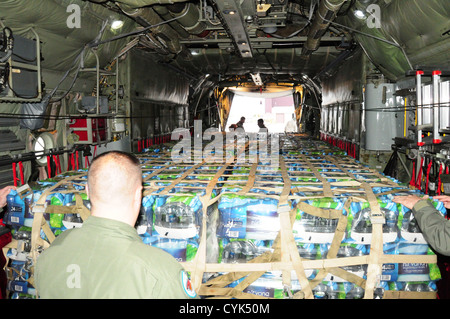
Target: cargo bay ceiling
pixel 230 42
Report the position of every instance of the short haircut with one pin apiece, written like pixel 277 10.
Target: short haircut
pixel 113 177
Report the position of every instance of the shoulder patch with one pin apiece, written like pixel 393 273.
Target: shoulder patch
pixel 187 286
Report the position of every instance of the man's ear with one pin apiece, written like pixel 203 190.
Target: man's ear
pixel 138 195
pixel 87 190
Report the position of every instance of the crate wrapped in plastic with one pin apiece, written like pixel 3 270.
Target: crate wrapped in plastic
pixel 236 250
pixel 409 228
pixel 250 217
pixel 18 209
pixel 172 222
pixel 359 228
pixel 181 249
pixel 275 289
pixel 315 229
pixel 386 287
pixel 408 271
pixel 338 290
pixel 19 275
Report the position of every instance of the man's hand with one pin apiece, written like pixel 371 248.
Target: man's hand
pixel 3 193
pixel 445 199
pixel 408 201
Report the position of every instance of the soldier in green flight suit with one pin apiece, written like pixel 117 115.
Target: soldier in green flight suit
pixel 106 258
pixel 434 226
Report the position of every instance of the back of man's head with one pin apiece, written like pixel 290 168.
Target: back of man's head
pixel 113 180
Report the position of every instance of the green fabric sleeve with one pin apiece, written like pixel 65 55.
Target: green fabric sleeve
pixel 434 226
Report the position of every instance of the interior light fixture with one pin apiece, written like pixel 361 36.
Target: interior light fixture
pixel 359 14
pixel 257 79
pixel 195 51
pixel 116 24
pixel 229 11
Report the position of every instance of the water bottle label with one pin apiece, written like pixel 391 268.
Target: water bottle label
pixel 262 222
pixel 413 272
pixel 15 218
pixel 176 248
pixel 233 222
pixel 260 291
pixel 15 209
pixel 389 272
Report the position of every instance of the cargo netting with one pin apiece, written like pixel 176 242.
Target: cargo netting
pixel 318 224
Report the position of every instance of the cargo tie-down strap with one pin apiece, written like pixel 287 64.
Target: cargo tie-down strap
pixel 38 244
pixel 40 224
pixel 283 256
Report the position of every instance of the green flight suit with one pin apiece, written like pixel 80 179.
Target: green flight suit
pixel 107 259
pixel 435 228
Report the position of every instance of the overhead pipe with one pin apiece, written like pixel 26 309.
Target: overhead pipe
pixel 191 17
pixel 324 15
pixel 134 4
pixel 164 13
pixel 147 17
pixel 341 57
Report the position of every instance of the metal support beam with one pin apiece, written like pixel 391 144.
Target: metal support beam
pixel 233 17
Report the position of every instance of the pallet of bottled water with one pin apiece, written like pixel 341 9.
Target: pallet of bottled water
pixel 331 221
pixel 302 229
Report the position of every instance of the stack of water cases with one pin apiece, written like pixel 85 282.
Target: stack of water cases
pixel 304 226
pixel 331 198
pixel 176 196
pixel 248 221
pixel 63 191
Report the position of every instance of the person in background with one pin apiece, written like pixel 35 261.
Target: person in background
pixel 434 226
pixel 240 124
pixel 106 258
pixel 262 127
pixel 5 238
pixel 291 125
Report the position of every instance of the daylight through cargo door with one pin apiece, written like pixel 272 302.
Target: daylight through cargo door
pixel 275 111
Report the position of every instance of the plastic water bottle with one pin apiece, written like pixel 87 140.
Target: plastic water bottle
pixel 75 220
pixel 262 220
pixel 324 225
pixel 320 291
pixel 239 251
pixel 351 251
pixel 333 290
pixel 175 220
pixel 56 220
pixel 16 209
pixel 391 221
pixel 355 293
pixel 307 251
pixel 417 286
pixel 361 222
pixel 142 224
pixel 410 223
pixel 175 247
